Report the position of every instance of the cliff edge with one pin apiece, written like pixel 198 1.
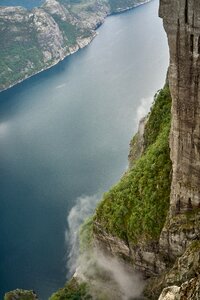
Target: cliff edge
pixel 150 220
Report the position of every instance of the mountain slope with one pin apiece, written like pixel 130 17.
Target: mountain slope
pixel 38 39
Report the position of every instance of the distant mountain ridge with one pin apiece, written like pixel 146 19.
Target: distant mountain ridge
pixel 34 40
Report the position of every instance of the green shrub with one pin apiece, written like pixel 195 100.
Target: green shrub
pixel 85 235
pixel 72 291
pixel 159 116
pixel 21 295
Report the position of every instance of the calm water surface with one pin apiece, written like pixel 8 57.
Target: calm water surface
pixel 65 133
pixel 26 3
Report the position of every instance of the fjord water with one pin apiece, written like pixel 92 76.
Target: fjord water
pixel 65 133
pixel 25 3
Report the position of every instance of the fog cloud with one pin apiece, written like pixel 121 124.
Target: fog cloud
pixel 84 207
pixel 129 283
pixel 143 109
pixel 108 277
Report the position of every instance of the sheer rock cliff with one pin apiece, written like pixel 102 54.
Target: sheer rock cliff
pixel 182 228
pixel 182 24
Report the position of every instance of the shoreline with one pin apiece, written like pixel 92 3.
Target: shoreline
pixel 77 47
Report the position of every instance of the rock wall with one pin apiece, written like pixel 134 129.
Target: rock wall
pixel 179 240
pixel 182 24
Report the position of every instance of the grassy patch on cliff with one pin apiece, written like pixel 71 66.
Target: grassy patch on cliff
pixel 86 235
pixel 72 291
pixel 136 207
pixel 159 116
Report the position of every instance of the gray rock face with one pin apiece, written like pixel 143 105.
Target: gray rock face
pixel 189 290
pixel 178 233
pixel 53 7
pixel 49 36
pixel 182 24
pixel 144 257
pixel 170 293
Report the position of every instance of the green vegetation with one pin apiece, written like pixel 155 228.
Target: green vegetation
pixel 20 55
pixel 136 207
pixel 75 290
pixel 159 116
pixel 72 291
pixel 71 32
pixel 21 295
pixel 85 235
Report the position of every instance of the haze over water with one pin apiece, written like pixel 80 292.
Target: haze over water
pixel 65 133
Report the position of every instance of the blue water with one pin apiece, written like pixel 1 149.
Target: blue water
pixel 65 133
pixel 26 3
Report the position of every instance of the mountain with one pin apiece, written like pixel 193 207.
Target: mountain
pixel 34 40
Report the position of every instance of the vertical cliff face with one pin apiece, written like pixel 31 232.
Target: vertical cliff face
pixel 182 24
pixel 179 240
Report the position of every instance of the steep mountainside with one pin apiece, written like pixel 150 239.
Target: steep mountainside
pixel 35 40
pixel 123 225
pixel 129 219
pixel 146 220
